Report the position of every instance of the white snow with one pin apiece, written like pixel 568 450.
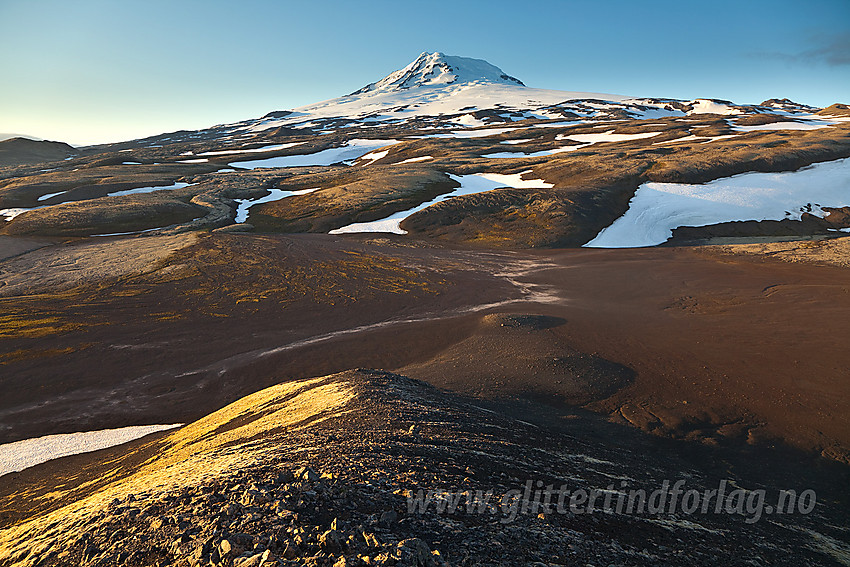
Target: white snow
pixel 136 231
pixel 353 149
pixel 199 160
pixel 608 136
pixel 700 139
pixel 480 133
pixel 271 148
pixel 176 185
pixel 274 195
pixel 653 113
pixel 723 137
pixel 558 124
pixel 415 159
pixel 469 184
pixel 690 138
pixel 20 455
pixel 704 106
pixel 49 195
pixel 131 163
pixel 469 120
pixel 374 156
pixel 783 126
pixel 831 117
pixel 501 155
pixel 521 141
pixel 658 208
pixel 440 69
pixel 12 213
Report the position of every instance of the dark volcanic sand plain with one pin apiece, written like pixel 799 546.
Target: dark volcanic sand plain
pixel 685 343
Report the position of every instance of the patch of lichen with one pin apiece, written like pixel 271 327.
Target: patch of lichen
pixel 20 323
pixel 330 282
pixel 213 278
pixel 166 315
pixel 35 353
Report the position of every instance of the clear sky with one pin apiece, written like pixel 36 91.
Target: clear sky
pixel 88 71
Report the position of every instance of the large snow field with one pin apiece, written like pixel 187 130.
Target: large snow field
pixel 469 184
pixel 353 149
pixel 20 455
pixel 658 208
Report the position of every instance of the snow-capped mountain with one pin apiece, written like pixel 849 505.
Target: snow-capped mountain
pixel 439 91
pixel 435 85
pixel 446 89
pixel 440 69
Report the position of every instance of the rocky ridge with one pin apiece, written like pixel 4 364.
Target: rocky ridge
pixel 324 472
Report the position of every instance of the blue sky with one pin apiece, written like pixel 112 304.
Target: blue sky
pixel 87 71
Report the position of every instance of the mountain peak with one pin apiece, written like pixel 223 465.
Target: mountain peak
pixel 434 69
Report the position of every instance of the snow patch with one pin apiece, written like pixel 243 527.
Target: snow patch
pixel 608 136
pixel 469 185
pixel 481 133
pixel 503 155
pixel 20 455
pixel 146 190
pixel 374 156
pixel 783 126
pixel 49 195
pixel 353 149
pixel 13 212
pixel 274 195
pixel 468 120
pixel 558 124
pixel 271 148
pixel 658 208
pixel 705 106
pixel 415 159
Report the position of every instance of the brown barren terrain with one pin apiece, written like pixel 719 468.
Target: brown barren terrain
pixel 680 342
